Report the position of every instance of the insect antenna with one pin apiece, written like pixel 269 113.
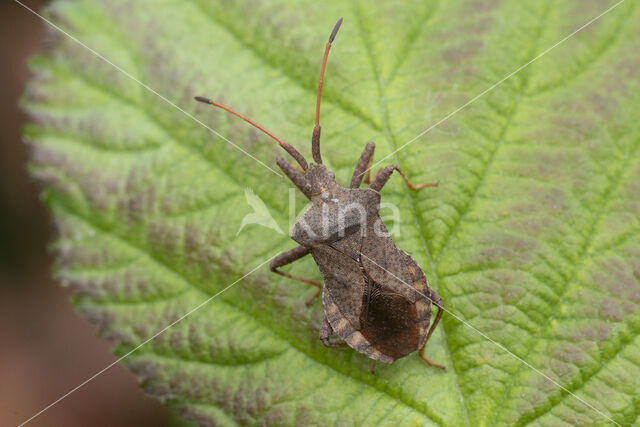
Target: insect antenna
pixel 288 147
pixel 315 138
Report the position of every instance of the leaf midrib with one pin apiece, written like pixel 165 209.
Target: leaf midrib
pixel 391 138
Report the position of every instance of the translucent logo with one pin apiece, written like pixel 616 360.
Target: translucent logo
pixel 260 214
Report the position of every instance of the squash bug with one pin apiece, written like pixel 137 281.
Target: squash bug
pixel 376 297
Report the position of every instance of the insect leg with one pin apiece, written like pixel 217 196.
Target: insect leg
pixel 289 257
pixel 325 333
pixel 362 168
pixel 383 176
pixel 437 301
pixel 296 177
pixel 373 366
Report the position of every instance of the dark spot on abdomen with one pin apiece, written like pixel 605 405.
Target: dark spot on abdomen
pixel 389 321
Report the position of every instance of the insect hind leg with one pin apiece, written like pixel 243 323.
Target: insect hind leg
pixel 289 257
pixel 437 301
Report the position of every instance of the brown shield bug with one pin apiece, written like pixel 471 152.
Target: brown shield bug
pixel 376 297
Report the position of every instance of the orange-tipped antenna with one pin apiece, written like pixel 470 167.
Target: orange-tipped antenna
pixel 288 148
pixel 315 139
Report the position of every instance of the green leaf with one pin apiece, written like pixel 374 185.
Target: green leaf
pixel 532 237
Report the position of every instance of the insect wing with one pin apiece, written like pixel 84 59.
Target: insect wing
pixel 343 280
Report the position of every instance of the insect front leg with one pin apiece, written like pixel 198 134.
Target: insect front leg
pixel 383 176
pixel 289 257
pixel 325 333
pixel 437 301
pixel 362 168
pixel 296 177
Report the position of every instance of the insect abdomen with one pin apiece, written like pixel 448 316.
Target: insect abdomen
pixel 389 320
pixel 345 330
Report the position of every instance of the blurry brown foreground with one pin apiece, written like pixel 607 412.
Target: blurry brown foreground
pixel 46 349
